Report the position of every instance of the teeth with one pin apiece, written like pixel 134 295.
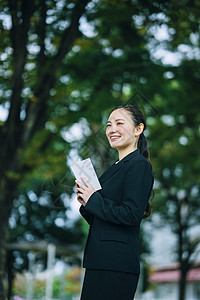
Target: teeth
pixel 114 137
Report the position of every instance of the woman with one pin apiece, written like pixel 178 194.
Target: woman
pixel 115 212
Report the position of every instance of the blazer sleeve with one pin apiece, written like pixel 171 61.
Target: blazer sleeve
pixel 136 189
pixel 85 214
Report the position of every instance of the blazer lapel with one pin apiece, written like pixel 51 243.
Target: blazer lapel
pixel 110 171
pixel 115 167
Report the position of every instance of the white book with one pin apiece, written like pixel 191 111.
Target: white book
pixel 84 168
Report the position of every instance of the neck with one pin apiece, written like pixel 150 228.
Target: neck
pixel 124 152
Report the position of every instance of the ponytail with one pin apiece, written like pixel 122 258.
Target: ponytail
pixel 142 145
pixel 149 208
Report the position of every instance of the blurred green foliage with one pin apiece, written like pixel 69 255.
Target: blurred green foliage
pixel 64 65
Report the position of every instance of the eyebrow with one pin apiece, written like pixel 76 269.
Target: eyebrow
pixel 116 120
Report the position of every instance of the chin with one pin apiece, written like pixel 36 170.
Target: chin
pixel 115 146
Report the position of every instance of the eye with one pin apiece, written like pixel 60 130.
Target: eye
pixel 108 125
pixel 119 123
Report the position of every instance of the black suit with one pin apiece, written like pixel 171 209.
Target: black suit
pixel 114 214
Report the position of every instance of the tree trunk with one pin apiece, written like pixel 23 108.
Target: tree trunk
pixel 15 135
pixel 3 236
pixel 7 194
pixel 10 274
pixel 183 283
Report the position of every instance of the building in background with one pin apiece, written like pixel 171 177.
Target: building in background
pixel 165 280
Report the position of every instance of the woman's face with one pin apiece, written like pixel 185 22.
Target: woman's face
pixel 121 132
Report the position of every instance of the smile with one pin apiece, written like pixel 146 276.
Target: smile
pixel 114 137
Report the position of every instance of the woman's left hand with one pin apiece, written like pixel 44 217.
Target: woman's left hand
pixel 84 191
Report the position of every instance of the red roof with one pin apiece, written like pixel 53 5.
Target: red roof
pixel 174 276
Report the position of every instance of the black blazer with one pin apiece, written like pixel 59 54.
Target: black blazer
pixel 114 214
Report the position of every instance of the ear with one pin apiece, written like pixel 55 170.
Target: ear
pixel 139 129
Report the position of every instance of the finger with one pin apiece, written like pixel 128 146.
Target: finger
pixel 76 184
pixel 79 197
pixel 80 184
pixel 80 190
pixel 77 187
pixel 80 200
pixel 86 182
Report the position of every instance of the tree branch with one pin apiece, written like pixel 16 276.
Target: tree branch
pixel 19 37
pixel 72 32
pixel 41 31
pixel 36 115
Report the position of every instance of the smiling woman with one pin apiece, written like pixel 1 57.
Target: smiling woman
pixel 115 212
pixel 121 133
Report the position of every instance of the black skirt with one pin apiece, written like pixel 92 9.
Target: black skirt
pixel 109 285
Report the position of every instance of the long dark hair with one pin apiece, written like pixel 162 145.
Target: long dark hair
pixel 138 117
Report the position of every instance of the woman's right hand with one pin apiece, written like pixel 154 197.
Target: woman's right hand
pixel 79 198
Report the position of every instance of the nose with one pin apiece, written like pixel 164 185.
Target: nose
pixel 112 128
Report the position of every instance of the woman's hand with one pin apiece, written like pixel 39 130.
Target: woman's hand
pixel 83 191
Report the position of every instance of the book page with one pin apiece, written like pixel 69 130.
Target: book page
pixel 84 168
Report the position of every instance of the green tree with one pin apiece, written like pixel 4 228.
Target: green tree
pixel 53 75
pixel 177 164
pixel 37 218
pixel 32 52
pixel 175 133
